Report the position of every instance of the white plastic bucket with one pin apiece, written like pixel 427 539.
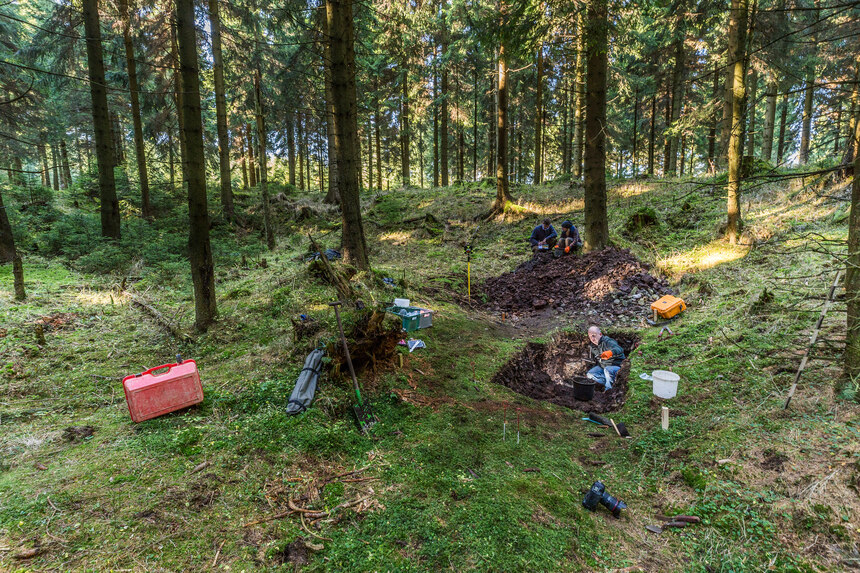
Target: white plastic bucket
pixel 665 383
pixel 401 302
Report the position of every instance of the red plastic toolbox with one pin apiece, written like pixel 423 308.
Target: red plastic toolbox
pixel 150 395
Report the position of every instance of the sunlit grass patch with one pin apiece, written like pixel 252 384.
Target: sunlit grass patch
pixel 704 257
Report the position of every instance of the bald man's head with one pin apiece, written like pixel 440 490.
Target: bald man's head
pixel 594 334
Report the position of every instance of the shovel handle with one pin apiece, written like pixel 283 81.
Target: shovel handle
pixel 336 306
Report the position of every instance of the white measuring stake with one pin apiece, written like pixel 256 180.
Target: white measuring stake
pixel 664 415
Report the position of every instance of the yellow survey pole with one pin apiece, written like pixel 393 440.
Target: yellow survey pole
pixel 468 250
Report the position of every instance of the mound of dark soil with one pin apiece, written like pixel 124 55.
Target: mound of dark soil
pixel 546 372
pixel 610 282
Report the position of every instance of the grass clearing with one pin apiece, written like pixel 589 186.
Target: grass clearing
pixel 776 489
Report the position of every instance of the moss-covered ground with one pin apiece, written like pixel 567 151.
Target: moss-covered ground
pixel 776 489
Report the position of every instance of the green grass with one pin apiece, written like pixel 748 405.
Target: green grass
pixel 448 492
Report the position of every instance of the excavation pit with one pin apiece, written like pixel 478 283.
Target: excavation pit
pixel 548 372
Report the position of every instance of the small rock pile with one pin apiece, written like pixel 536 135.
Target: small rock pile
pixel 603 285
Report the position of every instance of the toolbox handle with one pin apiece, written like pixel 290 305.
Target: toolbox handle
pixel 152 370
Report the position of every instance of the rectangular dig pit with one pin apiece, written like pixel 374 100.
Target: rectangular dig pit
pixel 548 371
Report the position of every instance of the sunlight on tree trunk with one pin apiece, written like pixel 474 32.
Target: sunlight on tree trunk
pixel 734 223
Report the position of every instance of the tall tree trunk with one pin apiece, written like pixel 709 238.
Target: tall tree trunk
pixel 221 111
pixel 404 127
pixel 667 141
pixel 170 160
pixel 378 128
pixel 64 155
pixel 596 222
pixel 178 92
pixel 491 125
pixel 853 119
pixel 565 126
pixel 101 121
pixel 199 249
pixel 333 197
pixel 119 154
pixel 652 135
pixel 461 150
pixel 291 146
pixel 635 130
pixel 712 134
pixel 443 128
pixel 838 128
pixel 475 123
pixel 7 239
pixel 782 120
pixel 252 166
pixel 852 275
pixel 435 130
pixel 678 83
pixel 55 159
pixel 301 130
pixel 263 159
pixel 131 67
pixel 239 138
pixel 503 194
pixel 46 169
pixel 769 117
pixel 421 155
pixel 737 38
pixel 8 253
pixel 369 152
pixel 579 113
pixel 19 168
pixel 750 150
pixel 347 146
pixel 538 176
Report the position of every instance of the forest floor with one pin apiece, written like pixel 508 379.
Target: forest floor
pixel 435 486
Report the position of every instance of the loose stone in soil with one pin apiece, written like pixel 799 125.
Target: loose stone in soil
pixel 547 371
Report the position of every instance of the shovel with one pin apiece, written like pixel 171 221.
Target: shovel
pixel 363 413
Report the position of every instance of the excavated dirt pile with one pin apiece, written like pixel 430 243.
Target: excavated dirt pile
pixel 607 283
pixel 547 372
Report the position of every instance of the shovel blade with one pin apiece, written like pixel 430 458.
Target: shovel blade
pixel 364 416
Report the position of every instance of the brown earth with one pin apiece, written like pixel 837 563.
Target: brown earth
pixel 547 371
pixel 601 284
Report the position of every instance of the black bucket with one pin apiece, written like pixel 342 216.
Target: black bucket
pixel 583 389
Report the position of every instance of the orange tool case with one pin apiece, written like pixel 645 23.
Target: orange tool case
pixel 150 394
pixel 668 306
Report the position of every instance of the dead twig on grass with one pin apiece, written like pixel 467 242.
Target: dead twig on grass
pixel 217 554
pixel 159 318
pixel 305 527
pixel 812 339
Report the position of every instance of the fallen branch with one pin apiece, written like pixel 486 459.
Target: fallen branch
pixel 311 512
pixel 812 339
pixel 344 289
pixel 305 527
pixel 159 318
pixel 218 553
pixel 270 518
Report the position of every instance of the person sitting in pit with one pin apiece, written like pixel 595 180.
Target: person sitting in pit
pixel 608 354
pixel 543 236
pixel 568 241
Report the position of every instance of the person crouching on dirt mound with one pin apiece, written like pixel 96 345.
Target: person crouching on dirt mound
pixel 568 241
pixel 543 236
pixel 608 354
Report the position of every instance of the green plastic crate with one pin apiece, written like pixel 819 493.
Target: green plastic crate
pixel 413 318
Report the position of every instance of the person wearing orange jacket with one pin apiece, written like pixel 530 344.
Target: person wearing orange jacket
pixel 607 353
